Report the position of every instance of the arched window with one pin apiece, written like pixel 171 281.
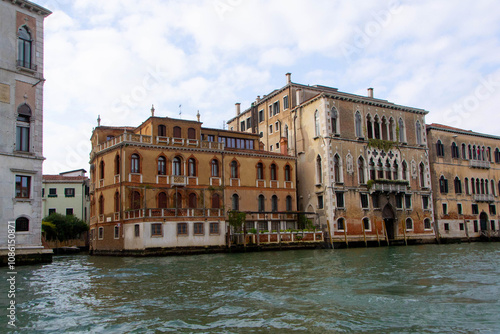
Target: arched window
pixel 464 152
pixel 369 126
pixel 101 170
pixel 193 201
pixel 466 183
pixel 497 155
pixel 22 224
pixel 418 130
pixel 215 168
pixel 493 188
pixel 337 170
pixel 162 130
pixel 117 201
pixel 274 175
pixel 361 170
pixel 316 124
pixel 486 187
pixel 287 173
pixel 470 152
pixel 176 166
pixel 135 164
pixel 443 185
pixel 439 148
pixel 178 200
pixel 380 169
pixel 191 167
pixel 358 122
pixel 319 171
pixel 388 173
pixel 23 128
pixel 401 131
pixel 274 203
pixel 261 203
pixel 473 185
pixel 391 129
pixel 24 47
pixel 117 164
pixel 191 133
pixel 260 171
pixel 235 202
pixel 396 171
pixel 372 170
pixel 289 203
pixel 478 187
pixel 177 132
pixel 162 200
pixel 458 185
pixel 234 169
pixel 162 166
pixel 409 224
pixel 135 200
pixel 101 205
pixel 421 170
pixel 404 171
pixel 376 127
pixel 335 116
pixel 427 224
pixel 454 151
pixel 215 201
pixel 474 152
pixel 340 224
pixel 482 186
pixel 384 125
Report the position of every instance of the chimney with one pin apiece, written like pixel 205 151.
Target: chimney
pixel 152 110
pixel 370 92
pixel 237 108
pixel 289 78
pixel 198 116
pixel 284 145
pixel 299 96
pixel 258 99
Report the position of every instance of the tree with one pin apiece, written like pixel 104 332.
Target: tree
pixel 57 226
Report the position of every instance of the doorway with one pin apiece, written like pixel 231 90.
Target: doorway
pixel 389 220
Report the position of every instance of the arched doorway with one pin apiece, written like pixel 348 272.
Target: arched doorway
pixel 389 220
pixel 483 218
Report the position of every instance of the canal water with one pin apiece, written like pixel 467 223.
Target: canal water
pixel 414 289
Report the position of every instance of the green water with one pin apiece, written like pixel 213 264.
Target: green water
pixel 414 289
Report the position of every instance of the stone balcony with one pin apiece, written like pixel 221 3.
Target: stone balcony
pixel 484 198
pixel 479 164
pixel 389 186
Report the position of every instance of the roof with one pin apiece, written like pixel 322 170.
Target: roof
pixel 32 7
pixel 62 178
pixel 437 126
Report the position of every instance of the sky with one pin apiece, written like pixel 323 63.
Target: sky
pixel 117 58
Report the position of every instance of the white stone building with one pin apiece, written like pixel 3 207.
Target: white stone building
pixel 21 126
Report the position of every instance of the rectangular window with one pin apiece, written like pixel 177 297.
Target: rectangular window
pixel 271 128
pixel 492 225
pixel 270 111
pixel 285 102
pixel 69 192
pixel 117 232
pixel 261 115
pixel 275 226
pixel 340 200
pixel 101 233
pixel 459 208
pixel 445 208
pixel 399 201
pixel 276 126
pixel 408 201
pixel 69 212
pixel 210 138
pixel 476 227
pixel 475 209
pixel 22 138
pixel 182 229
pixel 320 201
pixel 137 230
pixel 156 230
pixel 425 202
pixel 249 123
pixel 23 186
pixel 262 226
pixel 198 228
pixel 242 126
pixel 43 192
pixel 446 226
pixel 52 192
pixel 276 108
pixel 214 228
pixel 340 224
pixel 493 209
pixel 462 226
pixel 364 201
pixel 51 211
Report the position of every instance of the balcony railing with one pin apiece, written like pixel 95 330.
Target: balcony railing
pixel 389 186
pixel 178 180
pixel 484 198
pixel 172 212
pixel 479 164
pixel 163 141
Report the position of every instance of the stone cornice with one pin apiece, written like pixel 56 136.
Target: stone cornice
pixel 33 7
